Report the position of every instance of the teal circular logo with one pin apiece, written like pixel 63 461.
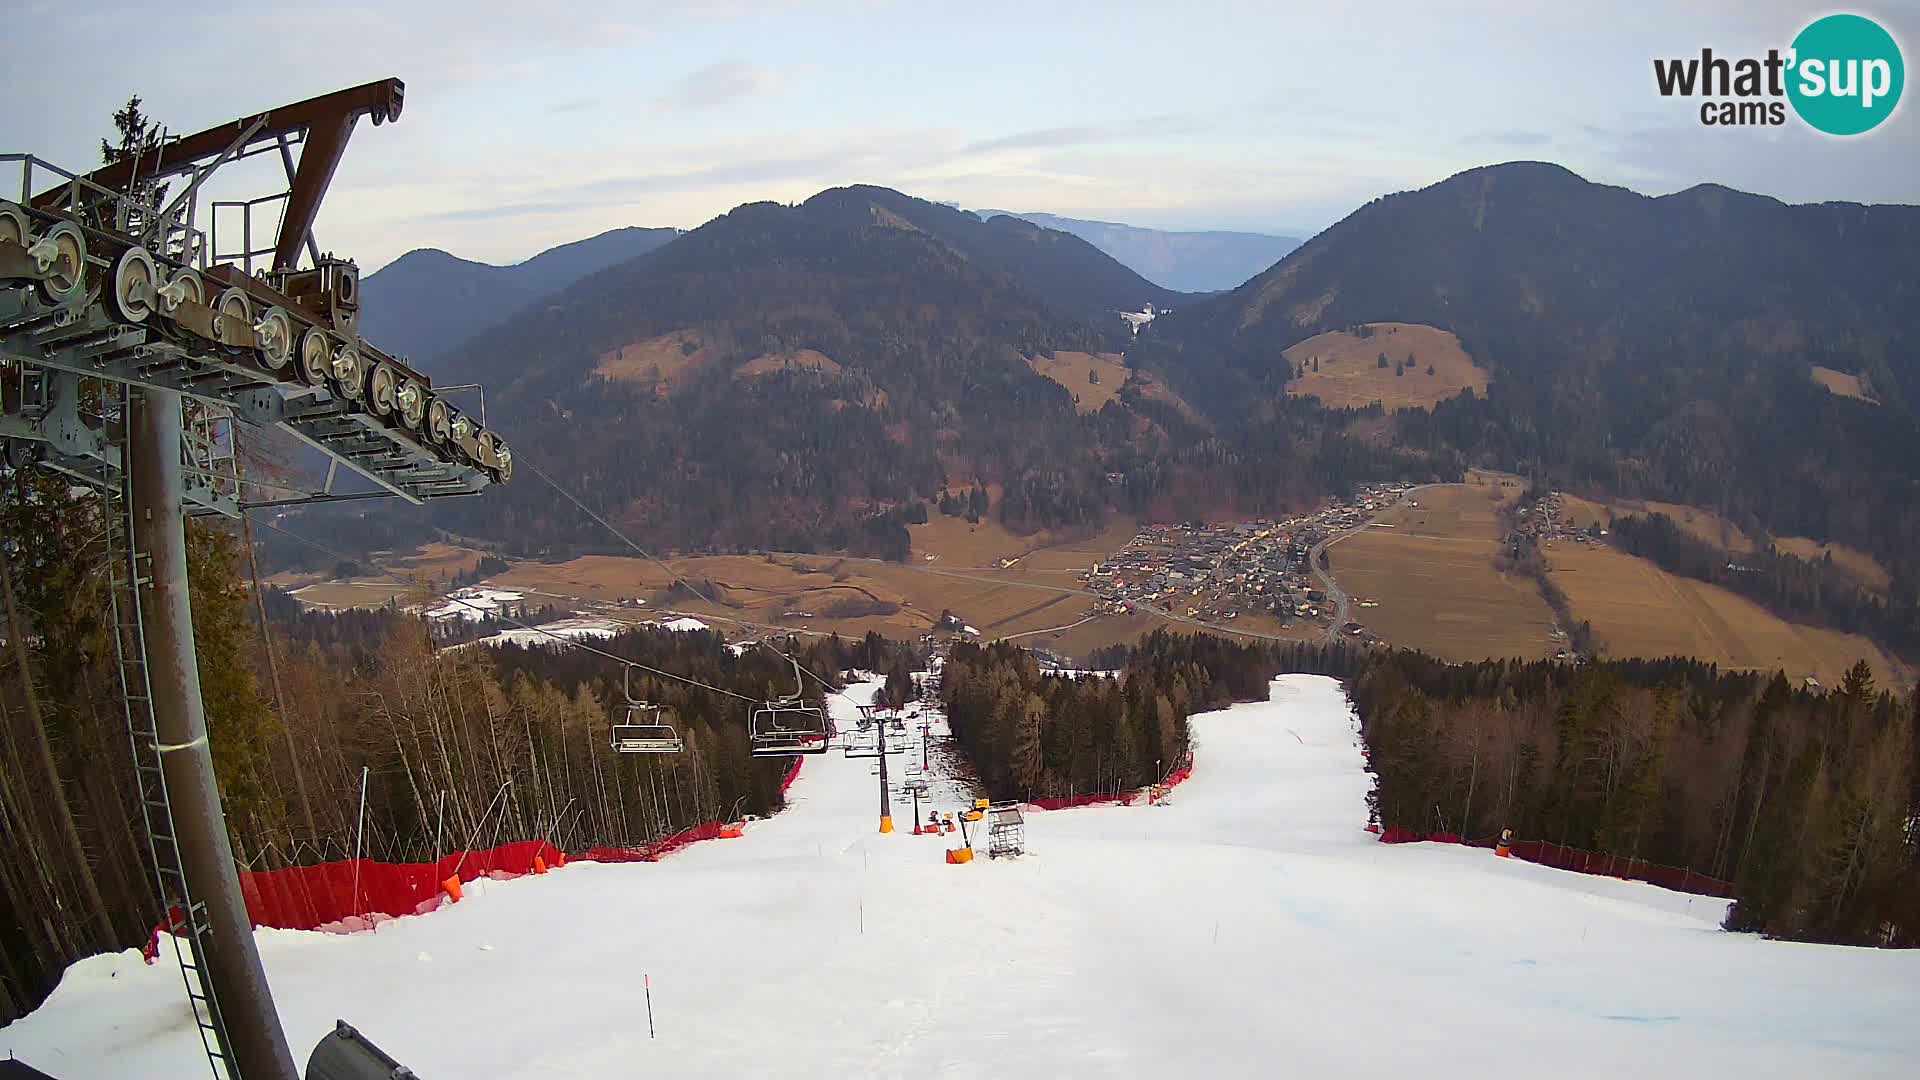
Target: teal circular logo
pixel 1846 74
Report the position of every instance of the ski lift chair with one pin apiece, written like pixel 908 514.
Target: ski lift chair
pixel 789 725
pixel 881 740
pixel 648 728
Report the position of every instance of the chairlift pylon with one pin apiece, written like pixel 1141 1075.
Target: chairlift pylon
pixel 786 726
pixel 648 728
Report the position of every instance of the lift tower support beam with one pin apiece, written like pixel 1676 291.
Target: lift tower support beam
pixel 259 1044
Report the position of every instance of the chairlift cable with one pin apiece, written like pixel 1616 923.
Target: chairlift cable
pixel 644 553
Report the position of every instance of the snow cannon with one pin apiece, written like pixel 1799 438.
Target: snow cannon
pixel 1504 848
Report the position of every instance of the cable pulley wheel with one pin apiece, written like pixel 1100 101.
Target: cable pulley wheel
pixel 184 287
pixel 136 280
pixel 381 386
pixel 13 224
pixel 62 255
pixel 411 401
pixel 315 352
pixel 349 373
pixel 439 422
pixel 275 334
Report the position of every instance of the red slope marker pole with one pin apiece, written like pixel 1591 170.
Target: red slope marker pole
pixel 647 981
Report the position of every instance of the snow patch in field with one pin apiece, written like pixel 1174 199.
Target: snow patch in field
pixel 680 626
pixel 1251 927
pixel 580 629
pixel 474 603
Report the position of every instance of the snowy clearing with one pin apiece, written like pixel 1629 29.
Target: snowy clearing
pixel 572 629
pixel 1250 928
pixel 478 604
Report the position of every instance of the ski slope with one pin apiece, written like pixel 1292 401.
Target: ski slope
pixel 1249 929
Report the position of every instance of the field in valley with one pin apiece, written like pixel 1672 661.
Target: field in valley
pixel 1841 383
pixel 1073 370
pixel 1701 523
pixel 1350 375
pixel 1712 528
pixel 1850 561
pixel 1429 568
pixel 1638 609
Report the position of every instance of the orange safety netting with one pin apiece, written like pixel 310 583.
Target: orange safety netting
pixel 1173 779
pixel 354 894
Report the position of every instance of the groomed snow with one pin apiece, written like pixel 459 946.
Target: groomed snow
pixel 1249 929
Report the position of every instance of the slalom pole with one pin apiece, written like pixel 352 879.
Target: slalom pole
pixel 647 981
pixel 359 831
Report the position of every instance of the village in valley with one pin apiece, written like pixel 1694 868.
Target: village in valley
pixel 1219 572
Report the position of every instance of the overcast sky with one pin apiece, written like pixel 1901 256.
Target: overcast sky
pixel 531 124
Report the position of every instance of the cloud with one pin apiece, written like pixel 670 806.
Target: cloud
pixel 1510 138
pixel 1043 138
pixel 717 84
pixel 1081 135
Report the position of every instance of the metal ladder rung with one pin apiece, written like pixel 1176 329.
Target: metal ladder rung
pixel 127 574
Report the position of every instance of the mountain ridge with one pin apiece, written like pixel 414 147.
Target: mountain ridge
pixel 428 301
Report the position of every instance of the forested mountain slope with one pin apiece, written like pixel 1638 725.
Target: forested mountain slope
pixel 1652 347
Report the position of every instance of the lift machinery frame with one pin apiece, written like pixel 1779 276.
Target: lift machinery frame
pixel 131 350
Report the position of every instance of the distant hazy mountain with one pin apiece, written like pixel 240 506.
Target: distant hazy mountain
pixel 426 302
pixel 1181 261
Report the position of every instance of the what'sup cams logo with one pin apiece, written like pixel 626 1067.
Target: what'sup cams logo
pixel 1842 75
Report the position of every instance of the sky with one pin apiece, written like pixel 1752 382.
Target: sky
pixel 529 125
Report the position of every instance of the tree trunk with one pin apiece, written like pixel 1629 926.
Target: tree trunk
pixel 75 854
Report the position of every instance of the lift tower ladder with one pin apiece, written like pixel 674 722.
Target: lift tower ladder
pixel 128 572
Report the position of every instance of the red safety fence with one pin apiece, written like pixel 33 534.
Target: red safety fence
pixel 1678 878
pixel 308 897
pixel 1581 861
pixel 1174 779
pixel 355 894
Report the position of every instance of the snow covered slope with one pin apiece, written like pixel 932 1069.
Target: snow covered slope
pixel 1248 929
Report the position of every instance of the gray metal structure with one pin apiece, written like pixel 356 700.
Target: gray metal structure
pixel 129 352
pixel 1006 831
